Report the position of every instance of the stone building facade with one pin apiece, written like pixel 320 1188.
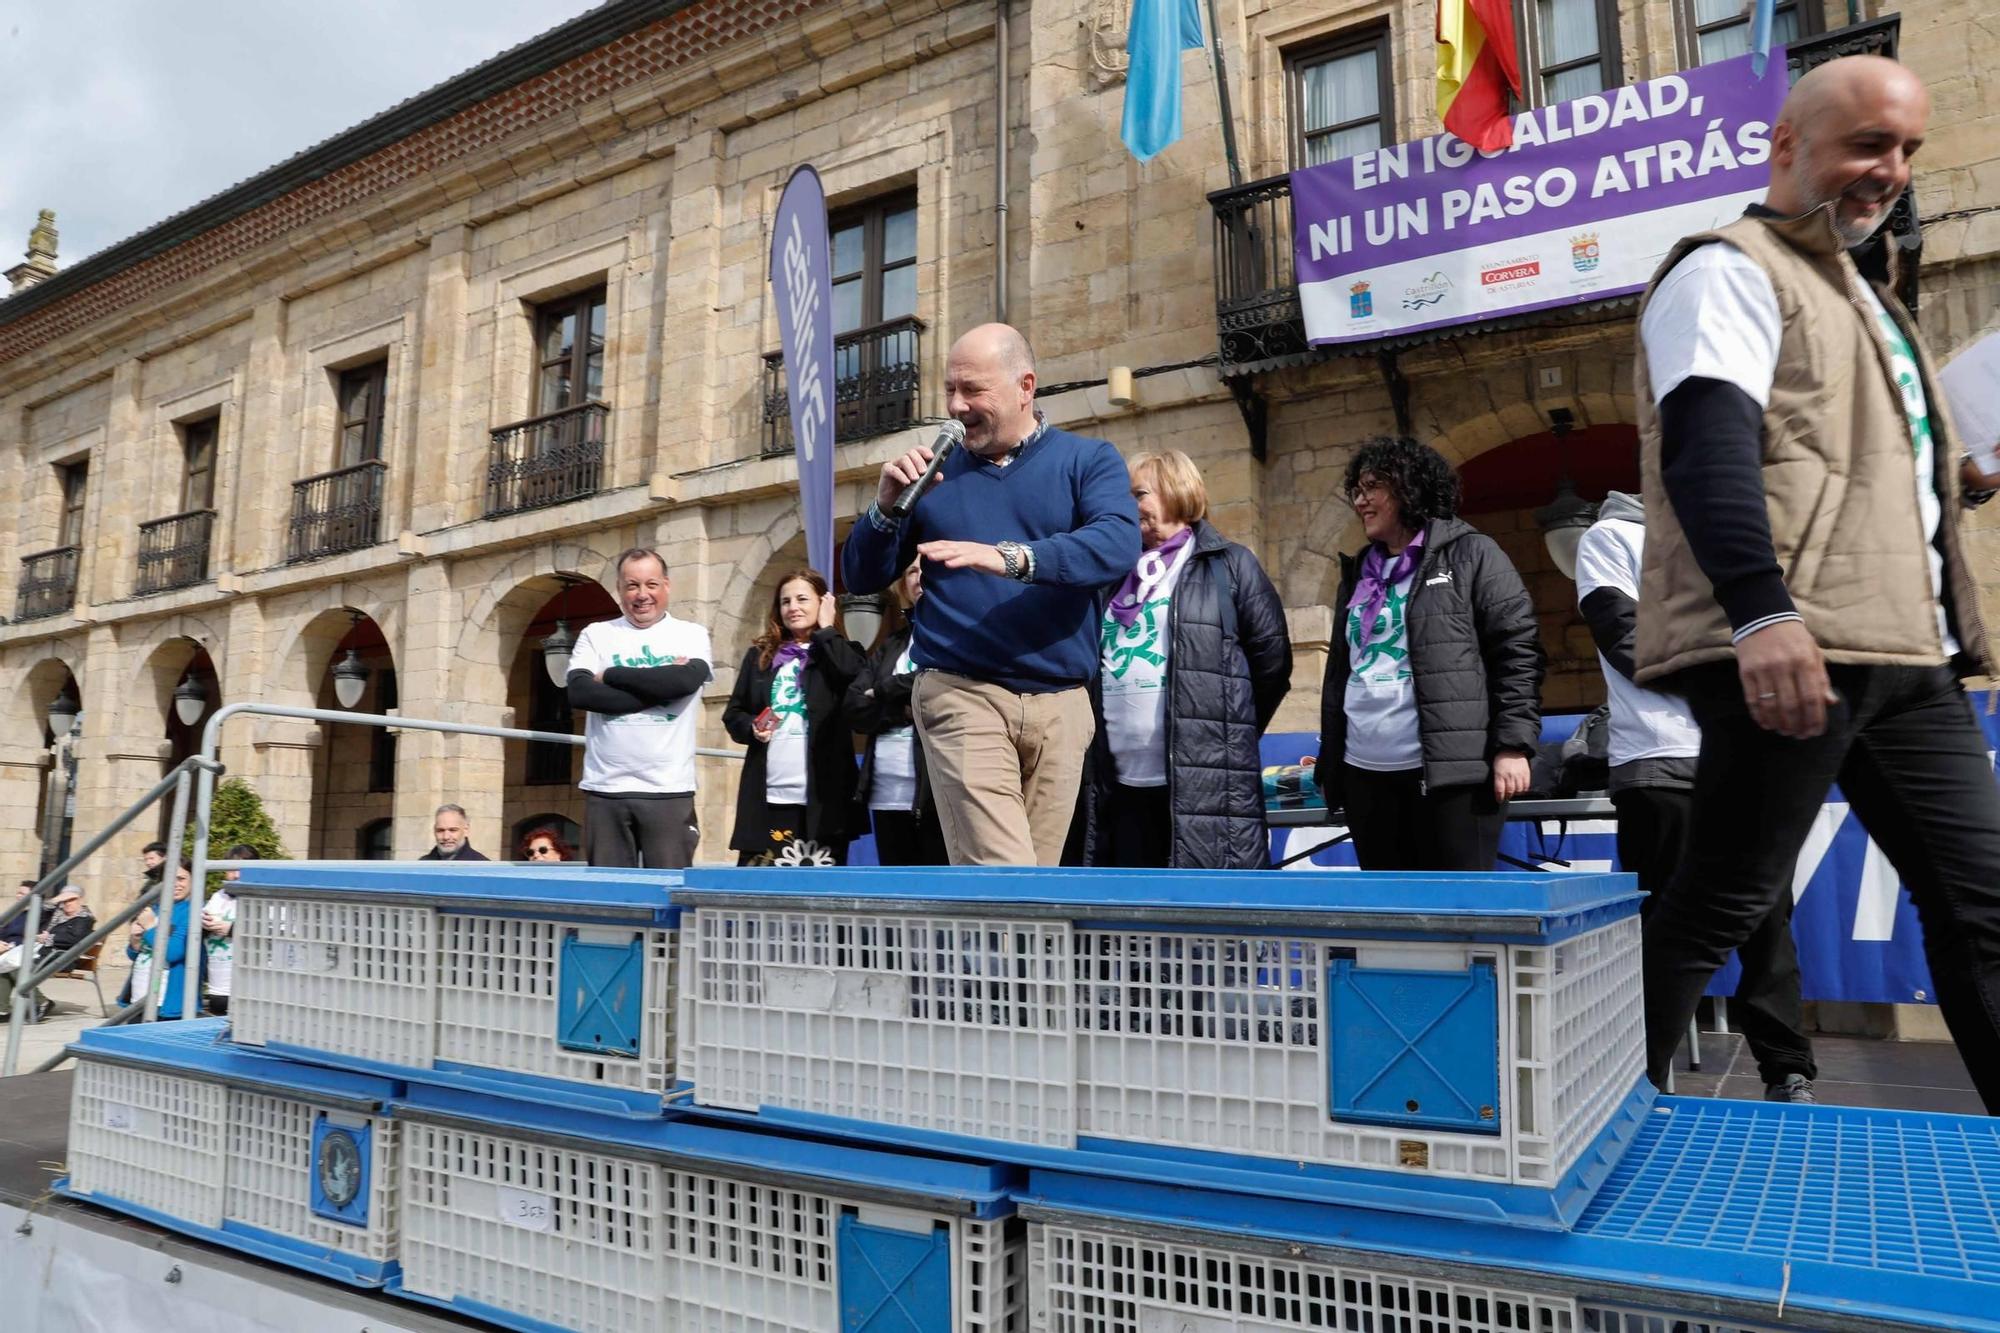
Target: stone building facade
pixel 324 414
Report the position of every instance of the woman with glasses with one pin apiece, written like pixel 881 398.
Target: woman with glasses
pixel 1432 700
pixel 545 845
pixel 1195 660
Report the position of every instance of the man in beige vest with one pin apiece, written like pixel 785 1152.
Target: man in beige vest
pixel 1805 585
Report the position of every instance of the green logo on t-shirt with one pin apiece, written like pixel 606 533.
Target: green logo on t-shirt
pixel 1382 653
pixel 788 695
pixel 1903 360
pixel 1126 645
pixel 645 657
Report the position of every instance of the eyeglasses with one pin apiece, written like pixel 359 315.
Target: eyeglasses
pixel 541 849
pixel 1361 490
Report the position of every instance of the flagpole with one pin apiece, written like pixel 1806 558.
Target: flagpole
pixel 1222 97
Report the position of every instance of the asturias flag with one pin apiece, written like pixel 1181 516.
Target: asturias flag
pixel 1477 68
pixel 1159 31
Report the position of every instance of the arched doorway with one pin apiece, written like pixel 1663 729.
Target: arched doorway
pixel 543 777
pixel 53 694
pixel 1501 491
pixel 354 770
pixel 180 680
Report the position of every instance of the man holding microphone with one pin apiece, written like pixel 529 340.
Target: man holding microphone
pixel 1021 532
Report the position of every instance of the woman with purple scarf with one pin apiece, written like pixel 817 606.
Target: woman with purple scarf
pixel 794 797
pixel 1432 700
pixel 1195 661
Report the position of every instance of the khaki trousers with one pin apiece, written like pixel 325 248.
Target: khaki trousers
pixel 1004 767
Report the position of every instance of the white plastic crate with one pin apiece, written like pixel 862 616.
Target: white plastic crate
pixel 520 981
pixel 614 1224
pixel 273 1157
pixel 1484 1030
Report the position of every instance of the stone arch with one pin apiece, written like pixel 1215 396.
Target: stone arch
pixel 507 604
pixel 30 692
pixel 162 659
pixel 739 615
pixel 309 636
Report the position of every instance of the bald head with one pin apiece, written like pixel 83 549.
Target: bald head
pixel 989 386
pixel 1844 138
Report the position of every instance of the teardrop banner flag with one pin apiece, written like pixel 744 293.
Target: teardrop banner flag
pixel 802 280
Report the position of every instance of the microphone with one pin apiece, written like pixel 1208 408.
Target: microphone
pixel 949 437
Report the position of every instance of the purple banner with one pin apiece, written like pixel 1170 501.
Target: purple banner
pixel 1584 205
pixel 802 280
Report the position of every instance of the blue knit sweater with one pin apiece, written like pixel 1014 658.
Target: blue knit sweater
pixel 1067 497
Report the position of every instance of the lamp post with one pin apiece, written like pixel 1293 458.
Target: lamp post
pixel 190 700
pixel 556 647
pixel 64 714
pixel 861 612
pixel 1566 518
pixel 350 680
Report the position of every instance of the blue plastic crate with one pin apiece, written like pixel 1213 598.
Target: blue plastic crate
pixel 286 1161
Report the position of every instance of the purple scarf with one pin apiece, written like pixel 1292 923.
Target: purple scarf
pixel 791 650
pixel 1372 590
pixel 1146 576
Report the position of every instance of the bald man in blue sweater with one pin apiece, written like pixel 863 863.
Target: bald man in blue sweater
pixel 1022 534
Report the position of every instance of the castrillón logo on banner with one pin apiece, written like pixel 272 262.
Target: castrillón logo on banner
pixel 1428 292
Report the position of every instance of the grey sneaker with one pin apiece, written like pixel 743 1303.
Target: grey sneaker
pixel 1795 1088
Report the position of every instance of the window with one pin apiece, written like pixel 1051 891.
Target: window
pixel 75 489
pixel 874 268
pixel 381 740
pixel 569 349
pixel 1720 29
pixel 1570 49
pixel 376 841
pixel 198 477
pixel 548 710
pixel 1340 100
pixel 358 404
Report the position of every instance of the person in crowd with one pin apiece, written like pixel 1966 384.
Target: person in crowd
pixel 451 836
pixel 1653 745
pixel 218 925
pixel 69 924
pixel 1020 533
pixel 1806 584
pixel 895 787
pixel 13 954
pixel 1196 660
pixel 640 677
pixel 788 707
pixel 1432 701
pixel 152 865
pixel 544 846
pixel 146 950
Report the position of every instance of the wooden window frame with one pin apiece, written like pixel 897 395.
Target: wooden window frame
pixel 550 312
pixel 1610 52
pixel 74 480
pixel 1351 42
pixel 873 216
pixel 204 432
pixel 375 374
pixel 1689 28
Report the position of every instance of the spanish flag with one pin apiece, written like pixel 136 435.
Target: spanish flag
pixel 1477 68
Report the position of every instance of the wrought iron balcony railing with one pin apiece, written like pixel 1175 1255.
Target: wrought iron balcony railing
pixel 173 551
pixel 547 460
pixel 336 511
pixel 48 583
pixel 1258 321
pixel 877 373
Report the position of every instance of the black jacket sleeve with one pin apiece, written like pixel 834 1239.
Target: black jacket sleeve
pixel 1711 459
pixel 838 658
pixel 1614 626
pixel 744 705
pixel 1510 642
pixel 660 684
pixel 71 929
pixel 591 695
pixel 879 699
pixel 1260 628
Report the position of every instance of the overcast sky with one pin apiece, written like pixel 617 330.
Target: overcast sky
pixel 120 113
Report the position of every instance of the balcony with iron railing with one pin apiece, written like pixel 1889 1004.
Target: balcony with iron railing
pixel 336 511
pixel 877 376
pixel 1260 326
pixel 48 583
pixel 547 460
pixel 173 551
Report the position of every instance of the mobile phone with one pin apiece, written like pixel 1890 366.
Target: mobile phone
pixel 765 720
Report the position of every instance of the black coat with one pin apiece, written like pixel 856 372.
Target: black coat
pixel 1229 666
pixel 879 701
pixel 1475 659
pixel 464 853
pixel 830 776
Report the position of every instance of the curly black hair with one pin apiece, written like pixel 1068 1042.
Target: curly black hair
pixel 1418 476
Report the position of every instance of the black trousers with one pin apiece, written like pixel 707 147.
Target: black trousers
pixel 905 838
pixel 1138 827
pixel 1912 762
pixel 1397 825
pixel 656 832
pixel 1652 839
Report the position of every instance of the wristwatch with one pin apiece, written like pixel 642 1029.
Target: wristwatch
pixel 1016 557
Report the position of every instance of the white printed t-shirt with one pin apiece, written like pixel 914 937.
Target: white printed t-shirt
pixel 785 760
pixel 1645 724
pixel 651 750
pixel 1381 701
pixel 1716 317
pixel 1134 674
pixel 893 785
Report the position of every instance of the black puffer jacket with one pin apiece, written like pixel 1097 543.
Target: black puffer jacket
pixel 1229 665
pixel 1475 656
